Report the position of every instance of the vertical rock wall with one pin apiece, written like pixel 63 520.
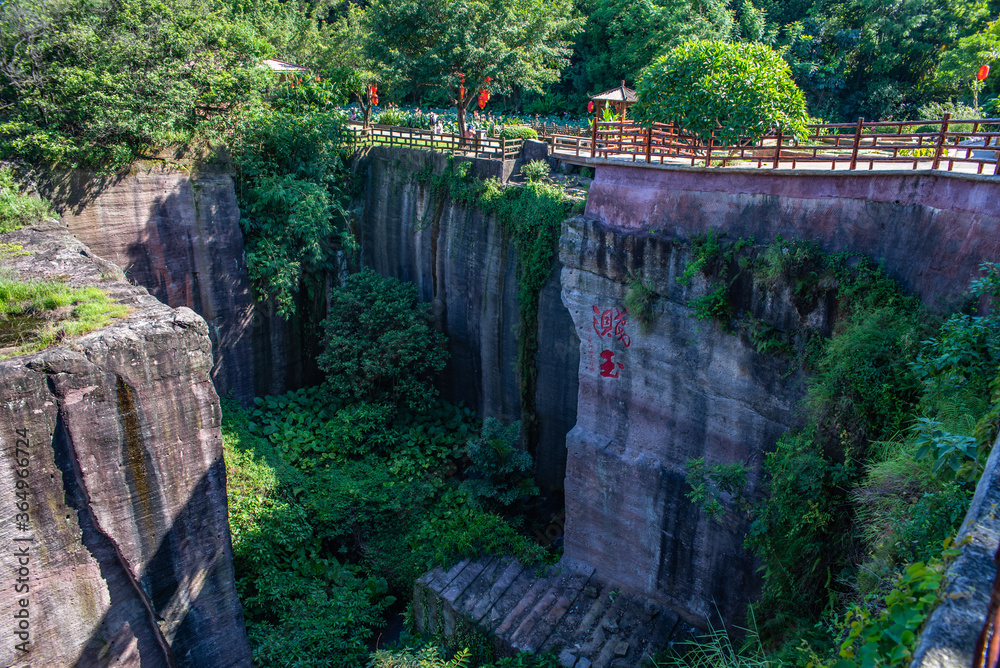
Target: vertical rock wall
pixel 177 234
pixel 117 544
pixel 687 389
pixel 648 402
pixel 466 269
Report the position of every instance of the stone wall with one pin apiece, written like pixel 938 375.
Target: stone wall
pixel 648 402
pixel 948 638
pixel 465 268
pixel 126 549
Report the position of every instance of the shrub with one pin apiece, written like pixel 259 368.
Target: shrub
pixel 379 344
pixel 518 132
pixel 535 171
pixel 737 91
pixel 505 471
pixel 18 209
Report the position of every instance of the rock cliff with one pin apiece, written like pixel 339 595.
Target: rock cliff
pixel 175 232
pixel 648 402
pixel 465 267
pixel 116 547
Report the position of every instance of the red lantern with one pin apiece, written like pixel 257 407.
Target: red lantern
pixel 375 100
pixel 461 92
pixel 483 98
pixel 984 72
pixel 590 106
pixel 488 79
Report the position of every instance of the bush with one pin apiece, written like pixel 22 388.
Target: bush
pixel 737 91
pixel 379 344
pixel 505 471
pixel 18 209
pixel 518 132
pixel 535 171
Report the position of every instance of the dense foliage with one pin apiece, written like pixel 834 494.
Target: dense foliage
pixel 731 92
pixel 96 82
pixel 901 411
pixel 379 343
pixel 459 47
pixel 293 186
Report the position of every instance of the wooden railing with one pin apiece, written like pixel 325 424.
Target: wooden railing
pixel 971 145
pixel 547 130
pixel 476 147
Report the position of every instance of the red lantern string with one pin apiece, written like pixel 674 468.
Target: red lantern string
pixel 984 72
pixel 590 106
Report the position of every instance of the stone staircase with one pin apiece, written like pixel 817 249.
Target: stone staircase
pixel 566 609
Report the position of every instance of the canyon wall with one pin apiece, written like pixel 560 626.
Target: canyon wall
pixel 649 401
pixel 465 267
pixel 116 538
pixel 174 229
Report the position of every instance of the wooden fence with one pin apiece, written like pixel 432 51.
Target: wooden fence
pixel 476 147
pixel 970 145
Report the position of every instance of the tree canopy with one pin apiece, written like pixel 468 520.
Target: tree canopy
pixel 463 46
pixel 729 91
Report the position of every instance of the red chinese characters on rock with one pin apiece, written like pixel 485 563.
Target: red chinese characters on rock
pixel 611 323
pixel 608 368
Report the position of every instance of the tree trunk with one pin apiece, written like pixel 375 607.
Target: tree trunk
pixel 461 123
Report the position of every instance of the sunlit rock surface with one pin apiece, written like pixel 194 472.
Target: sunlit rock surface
pixel 129 558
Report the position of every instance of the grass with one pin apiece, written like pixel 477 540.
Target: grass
pixel 17 209
pixel 37 314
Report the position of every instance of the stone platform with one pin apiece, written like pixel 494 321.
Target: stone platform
pixel 566 609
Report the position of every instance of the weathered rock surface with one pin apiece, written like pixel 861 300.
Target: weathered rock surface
pixel 466 269
pixel 177 234
pixel 570 611
pixel 948 638
pixel 129 559
pixel 649 402
pixel 931 231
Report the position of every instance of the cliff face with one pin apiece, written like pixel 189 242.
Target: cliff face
pixel 177 234
pixel 464 266
pixel 648 402
pixel 120 534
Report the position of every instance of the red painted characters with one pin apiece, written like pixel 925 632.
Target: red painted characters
pixel 611 323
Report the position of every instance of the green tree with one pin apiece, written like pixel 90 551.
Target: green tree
pixel 731 91
pixel 622 37
pixel 347 62
pixel 99 81
pixel 960 64
pixel 379 342
pixel 292 185
pixel 463 46
pixel 505 471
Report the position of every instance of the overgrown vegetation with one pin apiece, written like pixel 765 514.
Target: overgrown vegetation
pixel 38 314
pixel 532 217
pixel 901 412
pixel 17 208
pixel 340 499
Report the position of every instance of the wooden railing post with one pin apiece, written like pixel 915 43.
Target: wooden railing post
pixel 593 140
pixel 777 151
pixel 857 142
pixel 649 143
pixel 940 142
pixel 708 151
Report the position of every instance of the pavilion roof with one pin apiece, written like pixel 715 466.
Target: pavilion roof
pixel 282 66
pixel 618 94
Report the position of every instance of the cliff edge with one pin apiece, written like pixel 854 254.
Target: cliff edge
pixel 113 516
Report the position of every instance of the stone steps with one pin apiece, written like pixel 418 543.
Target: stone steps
pixel 566 609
